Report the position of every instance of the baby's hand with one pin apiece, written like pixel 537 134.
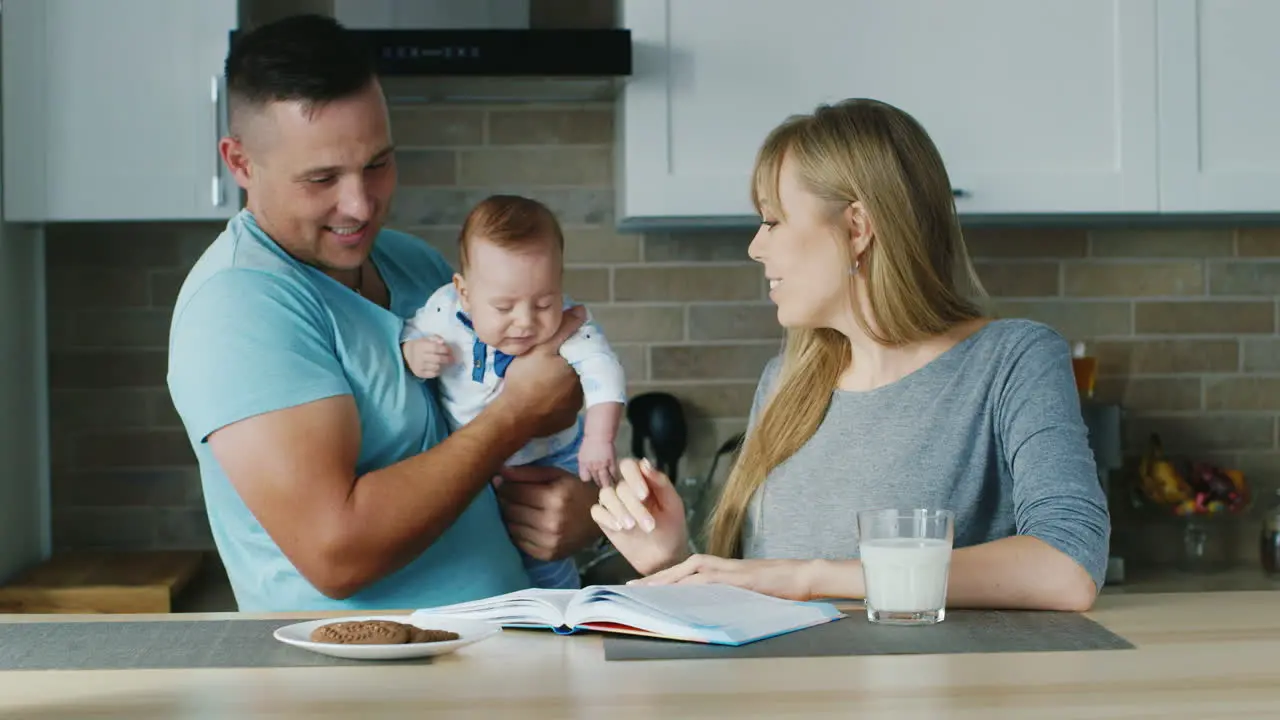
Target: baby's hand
pixel 596 461
pixel 426 357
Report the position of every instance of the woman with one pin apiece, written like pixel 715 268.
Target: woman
pixel 893 390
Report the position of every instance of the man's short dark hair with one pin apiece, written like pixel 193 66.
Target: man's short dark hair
pixel 311 59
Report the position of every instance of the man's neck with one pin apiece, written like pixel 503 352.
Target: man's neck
pixel 351 278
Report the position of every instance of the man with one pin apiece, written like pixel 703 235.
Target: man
pixel 330 477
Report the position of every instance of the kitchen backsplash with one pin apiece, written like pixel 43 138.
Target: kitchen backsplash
pixel 1184 320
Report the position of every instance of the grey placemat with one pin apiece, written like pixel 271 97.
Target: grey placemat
pixel 963 631
pixel 151 645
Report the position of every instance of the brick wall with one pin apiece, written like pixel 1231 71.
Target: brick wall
pixel 123 473
pixel 1184 320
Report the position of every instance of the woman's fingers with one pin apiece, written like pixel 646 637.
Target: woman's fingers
pixel 626 510
pixel 635 508
pixel 612 504
pixel 692 566
pixel 654 477
pixel 645 480
pixel 605 519
pixel 633 478
pixel 706 577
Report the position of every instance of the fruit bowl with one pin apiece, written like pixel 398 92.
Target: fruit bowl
pixel 1185 487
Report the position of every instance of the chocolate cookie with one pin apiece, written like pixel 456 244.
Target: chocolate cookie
pixel 425 636
pixel 363 632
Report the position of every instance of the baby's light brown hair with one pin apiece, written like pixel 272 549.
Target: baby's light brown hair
pixel 511 222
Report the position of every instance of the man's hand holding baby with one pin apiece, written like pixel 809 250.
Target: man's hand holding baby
pixel 427 357
pixel 541 385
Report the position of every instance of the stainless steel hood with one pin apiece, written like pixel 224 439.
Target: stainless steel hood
pixel 484 51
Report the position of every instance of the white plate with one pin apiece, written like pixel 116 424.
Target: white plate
pixel 469 631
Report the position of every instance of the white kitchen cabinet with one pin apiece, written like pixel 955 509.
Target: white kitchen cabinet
pixel 24 399
pixel 1037 107
pixel 1219 106
pixel 113 108
pixel 24 417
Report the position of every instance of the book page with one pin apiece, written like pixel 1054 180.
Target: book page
pixel 705 605
pixel 532 607
pixel 714 613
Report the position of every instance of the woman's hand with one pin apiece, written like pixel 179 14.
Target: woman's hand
pixel 789 579
pixel 643 517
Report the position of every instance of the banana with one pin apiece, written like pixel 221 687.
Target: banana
pixel 1160 480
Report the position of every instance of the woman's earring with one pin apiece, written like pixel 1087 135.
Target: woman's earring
pixel 856 264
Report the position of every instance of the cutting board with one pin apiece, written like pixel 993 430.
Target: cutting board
pixel 102 582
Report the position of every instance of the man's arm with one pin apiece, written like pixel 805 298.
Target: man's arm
pixel 294 468
pixel 272 400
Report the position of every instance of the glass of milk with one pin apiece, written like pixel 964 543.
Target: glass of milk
pixel 906 555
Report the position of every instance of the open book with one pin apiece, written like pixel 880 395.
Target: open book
pixel 715 614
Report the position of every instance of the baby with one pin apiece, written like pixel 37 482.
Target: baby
pixel 506 299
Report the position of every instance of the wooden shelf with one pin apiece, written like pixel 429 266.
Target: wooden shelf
pixel 102 582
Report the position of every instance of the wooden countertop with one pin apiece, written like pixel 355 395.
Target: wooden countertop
pixel 1199 655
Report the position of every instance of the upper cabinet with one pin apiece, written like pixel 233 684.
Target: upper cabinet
pixel 1053 107
pixel 1036 107
pixel 1219 106
pixel 112 109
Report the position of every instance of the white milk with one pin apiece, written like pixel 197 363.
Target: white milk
pixel 906 574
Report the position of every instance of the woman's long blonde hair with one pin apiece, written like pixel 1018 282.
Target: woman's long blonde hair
pixel 918 276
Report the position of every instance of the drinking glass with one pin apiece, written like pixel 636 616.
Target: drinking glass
pixel 906 557
pixel 1085 369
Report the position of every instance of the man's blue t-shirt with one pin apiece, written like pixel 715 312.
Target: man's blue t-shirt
pixel 254 331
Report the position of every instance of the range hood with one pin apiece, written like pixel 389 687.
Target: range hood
pixel 485 51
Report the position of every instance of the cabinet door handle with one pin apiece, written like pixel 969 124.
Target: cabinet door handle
pixel 215 96
pixel 959 192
